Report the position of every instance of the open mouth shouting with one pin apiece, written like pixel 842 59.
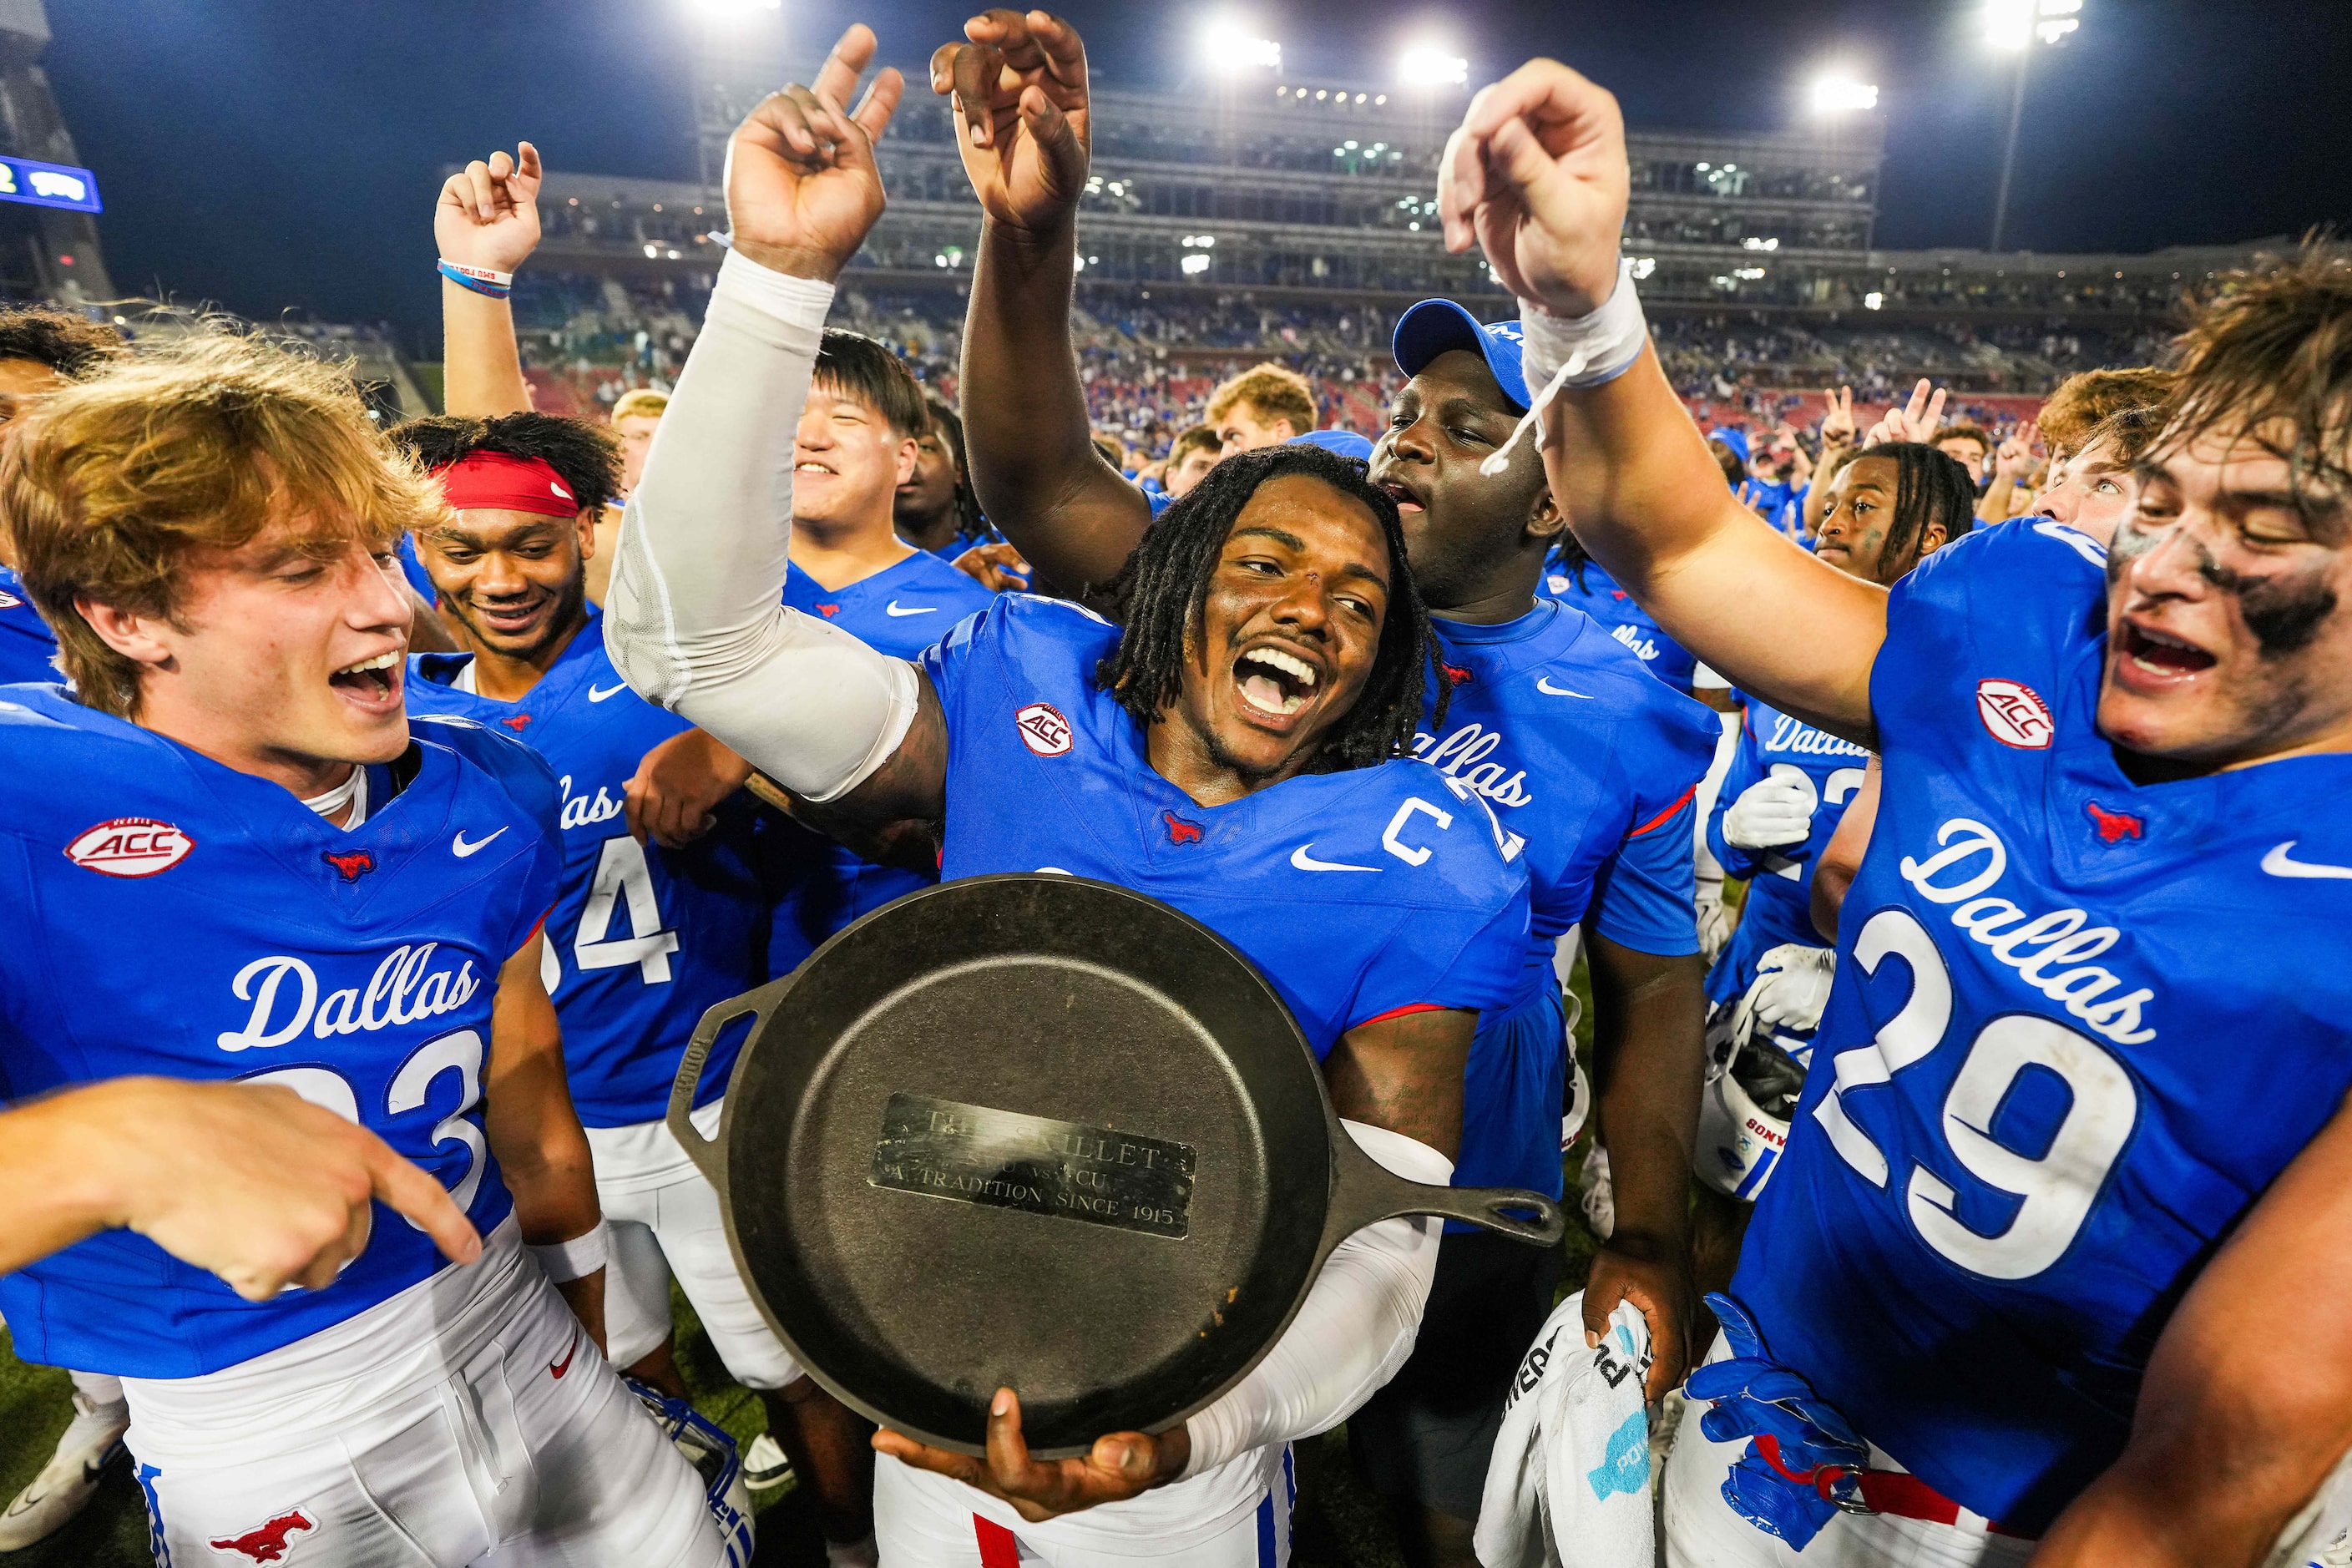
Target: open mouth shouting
pixel 1407 498
pixel 1274 683
pixel 373 684
pixel 2154 661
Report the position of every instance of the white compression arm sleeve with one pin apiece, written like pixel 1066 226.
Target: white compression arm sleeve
pixel 1354 1331
pixel 694 619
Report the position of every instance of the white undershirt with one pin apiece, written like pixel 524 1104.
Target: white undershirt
pixel 353 792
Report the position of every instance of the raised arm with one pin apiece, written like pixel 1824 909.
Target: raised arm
pixel 1019 91
pixel 2247 1404
pixel 1536 175
pixel 486 224
pixel 695 621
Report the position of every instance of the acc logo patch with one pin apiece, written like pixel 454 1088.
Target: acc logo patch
pixel 1043 730
pixel 2014 714
pixel 8 601
pixel 130 847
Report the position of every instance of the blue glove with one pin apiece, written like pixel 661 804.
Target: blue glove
pixel 1803 1463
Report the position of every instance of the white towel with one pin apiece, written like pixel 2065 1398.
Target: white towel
pixel 1572 1461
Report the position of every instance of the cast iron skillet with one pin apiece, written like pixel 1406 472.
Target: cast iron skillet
pixel 1043 1132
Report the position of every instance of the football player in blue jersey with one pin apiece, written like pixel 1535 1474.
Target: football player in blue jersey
pixel 1237 748
pixel 644 935
pixel 42 349
pixel 2044 1258
pixel 1589 765
pixel 329 902
pixel 1781 801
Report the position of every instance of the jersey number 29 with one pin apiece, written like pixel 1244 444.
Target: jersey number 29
pixel 2057 1186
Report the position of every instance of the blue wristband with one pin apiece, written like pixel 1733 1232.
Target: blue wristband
pixel 496 285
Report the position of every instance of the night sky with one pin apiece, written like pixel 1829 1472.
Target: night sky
pixel 274 154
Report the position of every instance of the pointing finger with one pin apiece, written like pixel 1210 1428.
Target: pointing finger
pixel 881 101
pixel 837 78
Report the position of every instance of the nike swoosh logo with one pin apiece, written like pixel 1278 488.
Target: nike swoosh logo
pixel 32 1497
pixel 598 694
pixel 559 1367
pixel 2278 863
pixel 1306 862
pixel 892 609
pixel 460 848
pixel 1544 685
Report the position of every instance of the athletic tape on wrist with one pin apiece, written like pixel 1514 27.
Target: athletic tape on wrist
pixel 1585 351
pixel 480 280
pixel 564 1262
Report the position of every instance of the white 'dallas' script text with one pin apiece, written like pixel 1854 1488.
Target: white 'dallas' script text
pixel 1796 735
pixel 2046 950
pixel 581 811
pixel 404 989
pixel 1463 755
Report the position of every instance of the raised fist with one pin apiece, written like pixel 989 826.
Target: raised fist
pixel 802 187
pixel 1018 90
pixel 489 211
pixel 1772 812
pixel 1535 175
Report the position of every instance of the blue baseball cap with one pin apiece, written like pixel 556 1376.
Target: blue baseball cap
pixel 1346 443
pixel 1737 439
pixel 1436 326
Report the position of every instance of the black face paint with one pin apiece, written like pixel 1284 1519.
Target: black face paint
pixel 2283 612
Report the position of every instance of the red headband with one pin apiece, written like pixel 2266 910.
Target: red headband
pixel 493 480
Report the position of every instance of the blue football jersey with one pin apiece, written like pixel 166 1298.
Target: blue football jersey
pixel 198 922
pixel 1358 894
pixel 642 939
pixel 1779 908
pixel 28 646
pixel 1590 766
pixel 2032 1113
pixel 820 886
pixel 1596 593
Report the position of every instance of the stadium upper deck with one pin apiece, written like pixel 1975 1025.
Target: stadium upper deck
pixel 1298 190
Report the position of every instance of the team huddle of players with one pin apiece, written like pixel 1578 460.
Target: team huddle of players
pixel 2038 815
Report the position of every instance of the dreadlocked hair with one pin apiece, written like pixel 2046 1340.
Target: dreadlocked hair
pixel 970 521
pixel 585 456
pixel 1161 599
pixel 1930 485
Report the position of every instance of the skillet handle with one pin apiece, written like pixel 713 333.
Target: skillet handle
pixel 1366 1192
pixel 708 1156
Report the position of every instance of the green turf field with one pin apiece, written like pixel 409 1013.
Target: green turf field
pixel 1340 1524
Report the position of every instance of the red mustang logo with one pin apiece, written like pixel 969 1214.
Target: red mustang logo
pixel 268 1542
pixel 1179 830
pixel 2113 826
pixel 828 611
pixel 517 723
pixel 353 866
pixel 1455 675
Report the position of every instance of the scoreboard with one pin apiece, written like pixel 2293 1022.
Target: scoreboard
pixel 48 185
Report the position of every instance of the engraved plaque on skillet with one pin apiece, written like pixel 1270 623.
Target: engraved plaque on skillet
pixel 1002 1159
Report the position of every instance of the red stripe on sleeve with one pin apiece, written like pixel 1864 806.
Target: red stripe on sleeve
pixel 1661 819
pixel 1400 1012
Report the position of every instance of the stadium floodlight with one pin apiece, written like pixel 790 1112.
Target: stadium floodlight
pixel 1232 46
pixel 729 10
pixel 2016 24
pixel 1430 64
pixel 1195 263
pixel 2013 26
pixel 1841 95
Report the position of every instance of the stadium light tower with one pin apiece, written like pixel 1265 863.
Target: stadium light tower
pixel 1232 46
pixel 1834 95
pixel 2015 26
pixel 1428 64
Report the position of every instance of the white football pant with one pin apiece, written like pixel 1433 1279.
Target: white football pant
pixel 1240 1519
pixel 467 1420
pixel 665 1220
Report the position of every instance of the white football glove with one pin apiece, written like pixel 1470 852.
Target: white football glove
pixel 1791 988
pixel 1772 812
pixel 1713 919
